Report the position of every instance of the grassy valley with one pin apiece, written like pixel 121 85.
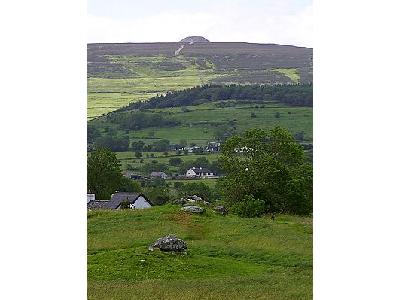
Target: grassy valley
pixel 241 111
pixel 208 122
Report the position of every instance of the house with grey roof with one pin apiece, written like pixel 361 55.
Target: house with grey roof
pixel 135 201
pixel 199 172
pixel 158 175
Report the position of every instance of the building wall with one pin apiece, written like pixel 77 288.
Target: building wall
pixel 140 203
pixel 90 197
pixel 190 173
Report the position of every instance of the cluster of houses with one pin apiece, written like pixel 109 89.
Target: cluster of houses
pixel 131 200
pixel 199 173
pixel 210 147
pixel 191 173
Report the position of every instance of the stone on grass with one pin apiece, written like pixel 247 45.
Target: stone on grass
pixel 196 198
pixel 169 243
pixel 193 209
pixel 221 210
pixel 180 201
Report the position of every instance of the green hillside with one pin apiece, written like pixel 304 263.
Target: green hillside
pixel 208 122
pixel 228 257
pixel 119 74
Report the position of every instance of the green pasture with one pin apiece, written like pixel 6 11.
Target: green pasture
pixel 201 122
pixel 150 79
pixel 227 257
pixel 292 73
pixel 128 158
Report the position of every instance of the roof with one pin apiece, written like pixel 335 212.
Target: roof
pixel 117 198
pixel 157 174
pixel 200 170
pixel 97 204
pixel 115 201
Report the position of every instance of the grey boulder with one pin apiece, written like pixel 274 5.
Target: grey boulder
pixel 193 209
pixel 221 210
pixel 169 243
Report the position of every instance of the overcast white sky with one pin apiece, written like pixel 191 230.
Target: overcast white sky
pixel 259 21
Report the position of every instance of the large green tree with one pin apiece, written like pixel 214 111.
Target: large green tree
pixel 269 166
pixel 103 173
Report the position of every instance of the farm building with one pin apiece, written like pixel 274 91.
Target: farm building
pixel 90 197
pixel 199 172
pixel 135 200
pixel 158 175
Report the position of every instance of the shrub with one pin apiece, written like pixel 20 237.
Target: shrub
pixel 249 207
pixel 197 188
pixel 124 204
pixel 130 186
pixel 158 195
pixel 178 185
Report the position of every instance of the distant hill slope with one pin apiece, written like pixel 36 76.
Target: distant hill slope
pixel 122 73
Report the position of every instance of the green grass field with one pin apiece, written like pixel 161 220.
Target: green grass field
pixel 128 158
pixel 292 73
pixel 227 258
pixel 200 123
pixel 149 79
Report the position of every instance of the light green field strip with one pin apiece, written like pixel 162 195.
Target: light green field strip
pixel 292 73
pixel 108 94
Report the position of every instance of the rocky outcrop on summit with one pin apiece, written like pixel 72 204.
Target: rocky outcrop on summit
pixel 194 39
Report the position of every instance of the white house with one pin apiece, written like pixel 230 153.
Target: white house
pixel 90 197
pixel 199 172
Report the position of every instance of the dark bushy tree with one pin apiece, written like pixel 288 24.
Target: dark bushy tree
pixel 130 186
pixel 113 143
pixel 158 195
pixel 175 161
pixel 103 173
pixel 197 188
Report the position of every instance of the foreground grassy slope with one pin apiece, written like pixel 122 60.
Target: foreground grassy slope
pixel 122 73
pixel 227 258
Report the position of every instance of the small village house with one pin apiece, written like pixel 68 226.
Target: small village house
pixel 199 173
pixel 158 175
pixel 90 197
pixel 135 200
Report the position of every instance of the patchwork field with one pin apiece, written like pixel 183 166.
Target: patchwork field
pixel 228 257
pixel 203 123
pixel 128 159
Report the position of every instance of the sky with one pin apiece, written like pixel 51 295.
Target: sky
pixel 286 22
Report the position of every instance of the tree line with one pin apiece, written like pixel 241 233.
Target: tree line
pixel 294 95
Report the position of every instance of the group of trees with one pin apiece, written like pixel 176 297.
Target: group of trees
pixel 136 120
pixel 293 94
pixel 266 169
pixel 112 142
pixel 120 143
pixel 183 166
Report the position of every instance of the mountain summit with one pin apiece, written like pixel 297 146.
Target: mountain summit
pixel 194 39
